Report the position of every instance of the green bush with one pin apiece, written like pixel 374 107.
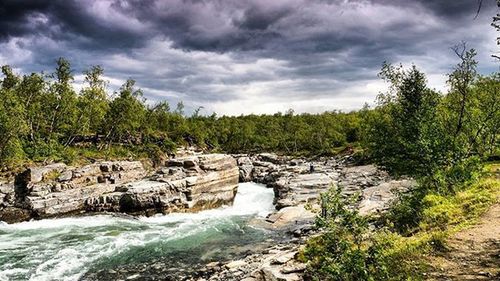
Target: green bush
pixel 348 250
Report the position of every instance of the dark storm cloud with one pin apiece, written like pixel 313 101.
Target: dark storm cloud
pixel 14 16
pixel 200 25
pixel 66 20
pixel 216 51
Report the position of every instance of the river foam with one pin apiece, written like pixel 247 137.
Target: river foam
pixel 66 248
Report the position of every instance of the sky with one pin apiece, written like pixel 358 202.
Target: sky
pixel 255 56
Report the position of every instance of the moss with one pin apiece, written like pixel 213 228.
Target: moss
pixel 51 176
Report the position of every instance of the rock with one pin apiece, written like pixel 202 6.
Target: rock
pixel 270 157
pixel 213 264
pixel 190 162
pixel 274 274
pixel 377 198
pixel 14 214
pixel 6 188
pixel 296 162
pixel 283 258
pixel 301 267
pixel 246 173
pixel 356 178
pixel 190 188
pixel 291 216
pixel 58 189
pixel 37 174
pixel 250 279
pixel 216 162
pixel 301 188
pixel 65 176
pixel 236 264
pixel 174 163
pixel 245 160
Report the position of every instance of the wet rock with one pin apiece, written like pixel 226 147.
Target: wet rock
pixel 14 214
pixel 245 173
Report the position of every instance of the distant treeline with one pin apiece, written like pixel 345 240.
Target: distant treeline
pixel 43 117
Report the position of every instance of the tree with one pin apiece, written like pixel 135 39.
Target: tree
pixel 484 136
pixel 63 102
pixel 38 104
pixel 126 113
pixel 93 102
pixel 472 107
pixel 12 122
pixel 461 80
pixel 496 25
pixel 404 129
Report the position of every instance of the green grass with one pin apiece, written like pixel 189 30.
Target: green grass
pixel 403 257
pixel 445 215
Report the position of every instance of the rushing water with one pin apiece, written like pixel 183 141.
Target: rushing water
pixel 69 248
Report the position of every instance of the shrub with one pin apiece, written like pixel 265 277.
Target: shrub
pixel 348 250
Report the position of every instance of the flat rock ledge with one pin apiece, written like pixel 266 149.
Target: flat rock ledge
pixel 299 182
pixel 184 184
pixel 297 185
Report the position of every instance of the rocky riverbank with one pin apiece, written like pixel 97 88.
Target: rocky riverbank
pixel 197 182
pixel 297 183
pixel 189 183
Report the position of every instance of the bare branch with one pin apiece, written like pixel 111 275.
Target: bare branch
pixel 479 4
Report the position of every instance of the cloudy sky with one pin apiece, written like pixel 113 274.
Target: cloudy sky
pixel 252 56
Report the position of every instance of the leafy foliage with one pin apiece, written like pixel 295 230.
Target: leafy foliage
pixel 348 249
pixel 439 140
pixel 44 118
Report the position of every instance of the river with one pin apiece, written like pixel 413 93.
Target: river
pixel 84 248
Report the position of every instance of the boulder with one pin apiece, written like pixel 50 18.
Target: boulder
pixel 377 199
pixel 14 214
pixel 38 174
pixel 292 215
pixel 246 173
pixel 203 182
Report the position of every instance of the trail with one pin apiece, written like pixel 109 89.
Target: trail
pixel 474 253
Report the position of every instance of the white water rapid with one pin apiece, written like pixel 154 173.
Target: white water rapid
pixel 68 248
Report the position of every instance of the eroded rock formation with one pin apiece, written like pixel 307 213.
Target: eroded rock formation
pixel 297 182
pixel 185 184
pixel 191 183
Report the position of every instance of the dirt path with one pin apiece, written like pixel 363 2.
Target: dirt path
pixel 474 253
